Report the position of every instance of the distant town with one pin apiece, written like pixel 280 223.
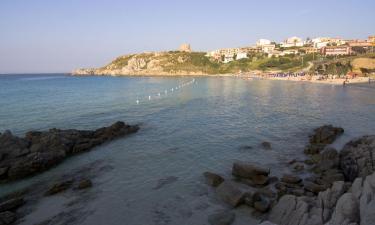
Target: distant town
pixel 325 46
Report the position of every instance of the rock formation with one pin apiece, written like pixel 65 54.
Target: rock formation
pixel 39 151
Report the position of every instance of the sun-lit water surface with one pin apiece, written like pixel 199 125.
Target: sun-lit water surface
pixel 157 173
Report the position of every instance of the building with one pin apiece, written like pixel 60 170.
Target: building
pixel 185 48
pixel 250 50
pixel 360 43
pixel 310 50
pixel 268 48
pixel 292 42
pixel 262 42
pixel 336 50
pixel 371 39
pixel 228 58
pixel 290 52
pixel 241 55
pixel 275 53
pixel 321 42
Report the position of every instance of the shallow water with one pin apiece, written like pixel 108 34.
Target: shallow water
pixel 156 175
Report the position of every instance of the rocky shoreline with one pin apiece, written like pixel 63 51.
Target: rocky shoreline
pixel 338 190
pixel 39 151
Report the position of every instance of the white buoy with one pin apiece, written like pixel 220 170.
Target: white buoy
pixel 137 101
pixel 149 97
pixel 172 89
pixel 158 94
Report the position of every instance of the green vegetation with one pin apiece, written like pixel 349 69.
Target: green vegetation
pixel 196 62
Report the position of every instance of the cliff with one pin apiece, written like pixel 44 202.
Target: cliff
pixel 162 63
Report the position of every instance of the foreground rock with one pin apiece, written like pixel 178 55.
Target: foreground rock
pixel 213 179
pixel 39 151
pixel 357 158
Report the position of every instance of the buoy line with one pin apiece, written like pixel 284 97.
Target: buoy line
pixel 158 95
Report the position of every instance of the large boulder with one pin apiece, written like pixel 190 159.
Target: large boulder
pixel 328 199
pixel 326 134
pixel 346 211
pixel 367 201
pixel 292 210
pixel 357 157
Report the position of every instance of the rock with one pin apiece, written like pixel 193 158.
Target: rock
pixel 328 198
pixel 261 202
pixel 7 218
pixel 266 145
pixel 230 193
pixel 267 223
pixel 329 159
pixel 346 210
pixel 59 187
pixel 12 146
pixel 367 201
pixel 298 167
pixel 326 134
pixel 257 174
pixel 84 183
pixel 288 178
pixel 291 210
pixel 222 218
pixel 313 187
pixel 3 172
pixel 39 151
pixel 357 157
pixel 11 204
pixel 314 149
pixel 213 179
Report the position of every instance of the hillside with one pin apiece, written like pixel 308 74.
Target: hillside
pixel 194 63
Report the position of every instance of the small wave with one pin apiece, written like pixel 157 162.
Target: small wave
pixel 41 78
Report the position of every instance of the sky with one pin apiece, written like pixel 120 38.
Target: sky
pixel 52 36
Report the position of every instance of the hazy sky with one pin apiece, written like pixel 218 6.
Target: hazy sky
pixel 60 35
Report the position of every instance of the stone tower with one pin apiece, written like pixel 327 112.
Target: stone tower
pixel 185 48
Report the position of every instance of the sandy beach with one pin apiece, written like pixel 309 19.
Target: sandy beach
pixel 314 79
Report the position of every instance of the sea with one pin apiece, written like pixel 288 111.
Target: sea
pixel 188 125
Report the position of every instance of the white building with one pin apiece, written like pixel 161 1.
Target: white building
pixel 228 58
pixel 241 55
pixel 268 48
pixel 262 42
pixel 321 42
pixel 292 42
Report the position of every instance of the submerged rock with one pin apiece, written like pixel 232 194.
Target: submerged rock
pixel 266 145
pixel 39 151
pixel 84 183
pixel 256 174
pixel 59 187
pixel 213 179
pixel 230 193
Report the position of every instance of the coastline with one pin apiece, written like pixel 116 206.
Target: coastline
pixel 249 75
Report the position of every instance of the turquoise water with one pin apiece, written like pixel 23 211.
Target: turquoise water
pixel 199 127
